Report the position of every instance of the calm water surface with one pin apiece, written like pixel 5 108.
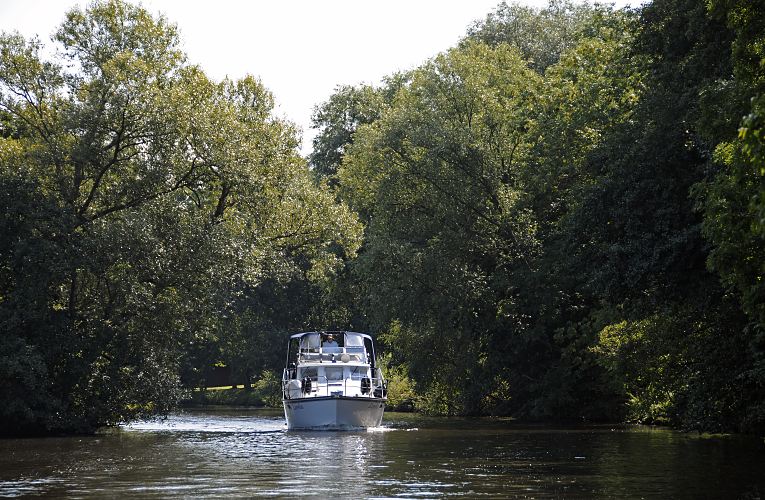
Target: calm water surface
pixel 249 453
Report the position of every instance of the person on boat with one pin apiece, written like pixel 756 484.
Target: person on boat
pixel 329 341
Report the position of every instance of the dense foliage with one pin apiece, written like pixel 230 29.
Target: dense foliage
pixel 567 207
pixel 561 217
pixel 144 208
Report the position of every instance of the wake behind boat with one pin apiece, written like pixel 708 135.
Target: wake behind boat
pixel 331 382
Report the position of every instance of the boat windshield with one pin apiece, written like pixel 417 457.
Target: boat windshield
pixel 354 340
pixel 327 346
pixel 310 342
pixel 354 344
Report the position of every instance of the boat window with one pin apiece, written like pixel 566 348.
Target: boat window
pixel 354 340
pixel 354 345
pixel 334 373
pixel 332 343
pixel 309 342
pixel 357 372
pixel 309 371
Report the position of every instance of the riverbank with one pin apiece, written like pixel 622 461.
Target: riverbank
pixel 254 397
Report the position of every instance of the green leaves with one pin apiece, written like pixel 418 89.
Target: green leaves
pixel 540 35
pixel 338 120
pixel 532 242
pixel 116 36
pixel 150 199
pixel 437 177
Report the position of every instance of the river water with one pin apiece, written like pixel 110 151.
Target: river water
pixel 248 453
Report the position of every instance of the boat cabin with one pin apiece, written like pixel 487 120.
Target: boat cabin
pixel 332 364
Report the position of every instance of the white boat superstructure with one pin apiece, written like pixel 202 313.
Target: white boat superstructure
pixel 331 382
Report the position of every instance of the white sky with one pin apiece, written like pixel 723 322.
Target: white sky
pixel 300 49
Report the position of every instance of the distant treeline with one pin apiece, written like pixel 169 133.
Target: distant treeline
pixel 560 218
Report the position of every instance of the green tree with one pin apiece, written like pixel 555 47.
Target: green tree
pixel 677 340
pixel 589 93
pixel 464 181
pixel 436 176
pixel 337 121
pixel 541 35
pixel 732 200
pixel 140 198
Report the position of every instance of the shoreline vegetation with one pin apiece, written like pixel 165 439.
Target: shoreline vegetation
pixel 559 218
pixel 230 396
pixel 266 393
pixel 238 396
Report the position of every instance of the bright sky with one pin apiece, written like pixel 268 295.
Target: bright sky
pixel 300 49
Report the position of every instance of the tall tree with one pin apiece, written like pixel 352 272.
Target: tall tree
pixel 436 176
pixel 337 120
pixel 139 198
pixel 464 180
pixel 541 35
pixel 678 337
pixel 733 199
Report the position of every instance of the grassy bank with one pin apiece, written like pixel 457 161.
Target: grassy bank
pixel 232 396
pixel 267 393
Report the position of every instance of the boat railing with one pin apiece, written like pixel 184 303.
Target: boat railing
pixel 320 386
pixel 355 353
pixel 330 357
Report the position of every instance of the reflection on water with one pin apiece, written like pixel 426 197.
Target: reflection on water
pixel 249 453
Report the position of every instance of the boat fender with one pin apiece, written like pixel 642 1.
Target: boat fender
pixel 306 385
pixel 293 389
pixel 366 385
pixel 381 391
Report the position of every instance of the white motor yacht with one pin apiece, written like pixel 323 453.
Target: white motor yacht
pixel 331 382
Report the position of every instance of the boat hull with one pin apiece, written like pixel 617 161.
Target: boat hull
pixel 333 412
